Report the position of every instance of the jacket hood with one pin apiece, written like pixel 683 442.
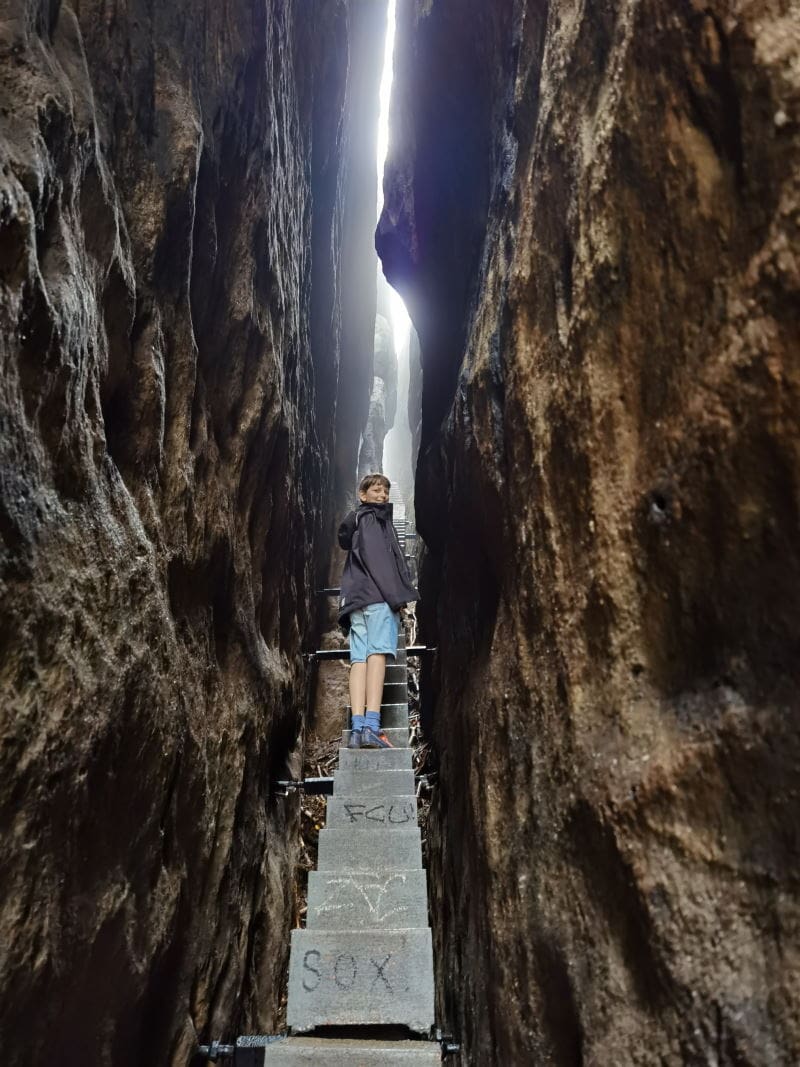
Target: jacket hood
pixel 381 511
pixel 384 512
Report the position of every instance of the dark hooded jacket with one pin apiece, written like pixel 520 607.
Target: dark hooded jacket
pixel 375 569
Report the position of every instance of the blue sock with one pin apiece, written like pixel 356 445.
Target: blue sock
pixel 374 720
pixel 358 723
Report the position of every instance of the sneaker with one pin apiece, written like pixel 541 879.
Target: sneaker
pixel 371 739
pixel 356 740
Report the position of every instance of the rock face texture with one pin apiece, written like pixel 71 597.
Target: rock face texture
pixel 414 395
pixel 383 395
pixel 399 455
pixel 382 400
pixel 592 211
pixel 172 194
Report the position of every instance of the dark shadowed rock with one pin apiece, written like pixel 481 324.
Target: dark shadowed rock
pixel 592 213
pixel 172 205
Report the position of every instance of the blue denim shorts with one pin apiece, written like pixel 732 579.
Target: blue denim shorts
pixel 373 631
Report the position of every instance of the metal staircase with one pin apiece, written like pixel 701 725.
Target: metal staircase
pixel 364 962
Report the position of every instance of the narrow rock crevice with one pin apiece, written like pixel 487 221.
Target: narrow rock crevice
pixel 605 306
pixel 184 239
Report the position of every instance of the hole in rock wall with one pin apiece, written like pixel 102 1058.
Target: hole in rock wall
pixel 192 587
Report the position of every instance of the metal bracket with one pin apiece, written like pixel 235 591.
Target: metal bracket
pixel 247 1052
pixel 450 1047
pixel 309 786
pixel 425 782
pixel 344 653
pixel 216 1051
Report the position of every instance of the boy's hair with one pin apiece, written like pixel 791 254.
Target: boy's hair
pixel 373 479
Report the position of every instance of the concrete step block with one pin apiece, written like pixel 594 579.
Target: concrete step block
pixel 360 978
pixel 350 849
pixel 361 900
pixel 394 716
pixel 396 672
pixel 399 738
pixel 395 692
pixel 375 759
pixel 373 783
pixel 349 1052
pixel 371 813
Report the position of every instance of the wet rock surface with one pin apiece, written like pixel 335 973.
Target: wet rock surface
pixel 171 185
pixel 592 212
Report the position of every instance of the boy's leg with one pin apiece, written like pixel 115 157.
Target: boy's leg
pixel 383 636
pixel 376 672
pixel 358 677
pixel 358 689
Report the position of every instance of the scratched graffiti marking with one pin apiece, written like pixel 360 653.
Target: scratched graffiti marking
pixel 347 892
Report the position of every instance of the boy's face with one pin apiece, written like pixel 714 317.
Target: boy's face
pixel 376 494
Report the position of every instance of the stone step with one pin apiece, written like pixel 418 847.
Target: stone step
pixel 394 692
pixel 348 1052
pixel 360 978
pixel 371 813
pixel 394 717
pixel 359 900
pixel 351 849
pixel 373 783
pixel 396 672
pixel 375 759
pixel 399 738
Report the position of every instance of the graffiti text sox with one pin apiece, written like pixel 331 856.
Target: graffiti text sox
pixel 347 971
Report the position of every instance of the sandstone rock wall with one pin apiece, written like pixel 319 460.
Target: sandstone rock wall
pixel 382 401
pixel 414 395
pixel 592 211
pixel 172 195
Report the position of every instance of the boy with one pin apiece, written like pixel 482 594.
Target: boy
pixel 375 585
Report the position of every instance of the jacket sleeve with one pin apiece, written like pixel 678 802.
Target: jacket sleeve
pixel 346 528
